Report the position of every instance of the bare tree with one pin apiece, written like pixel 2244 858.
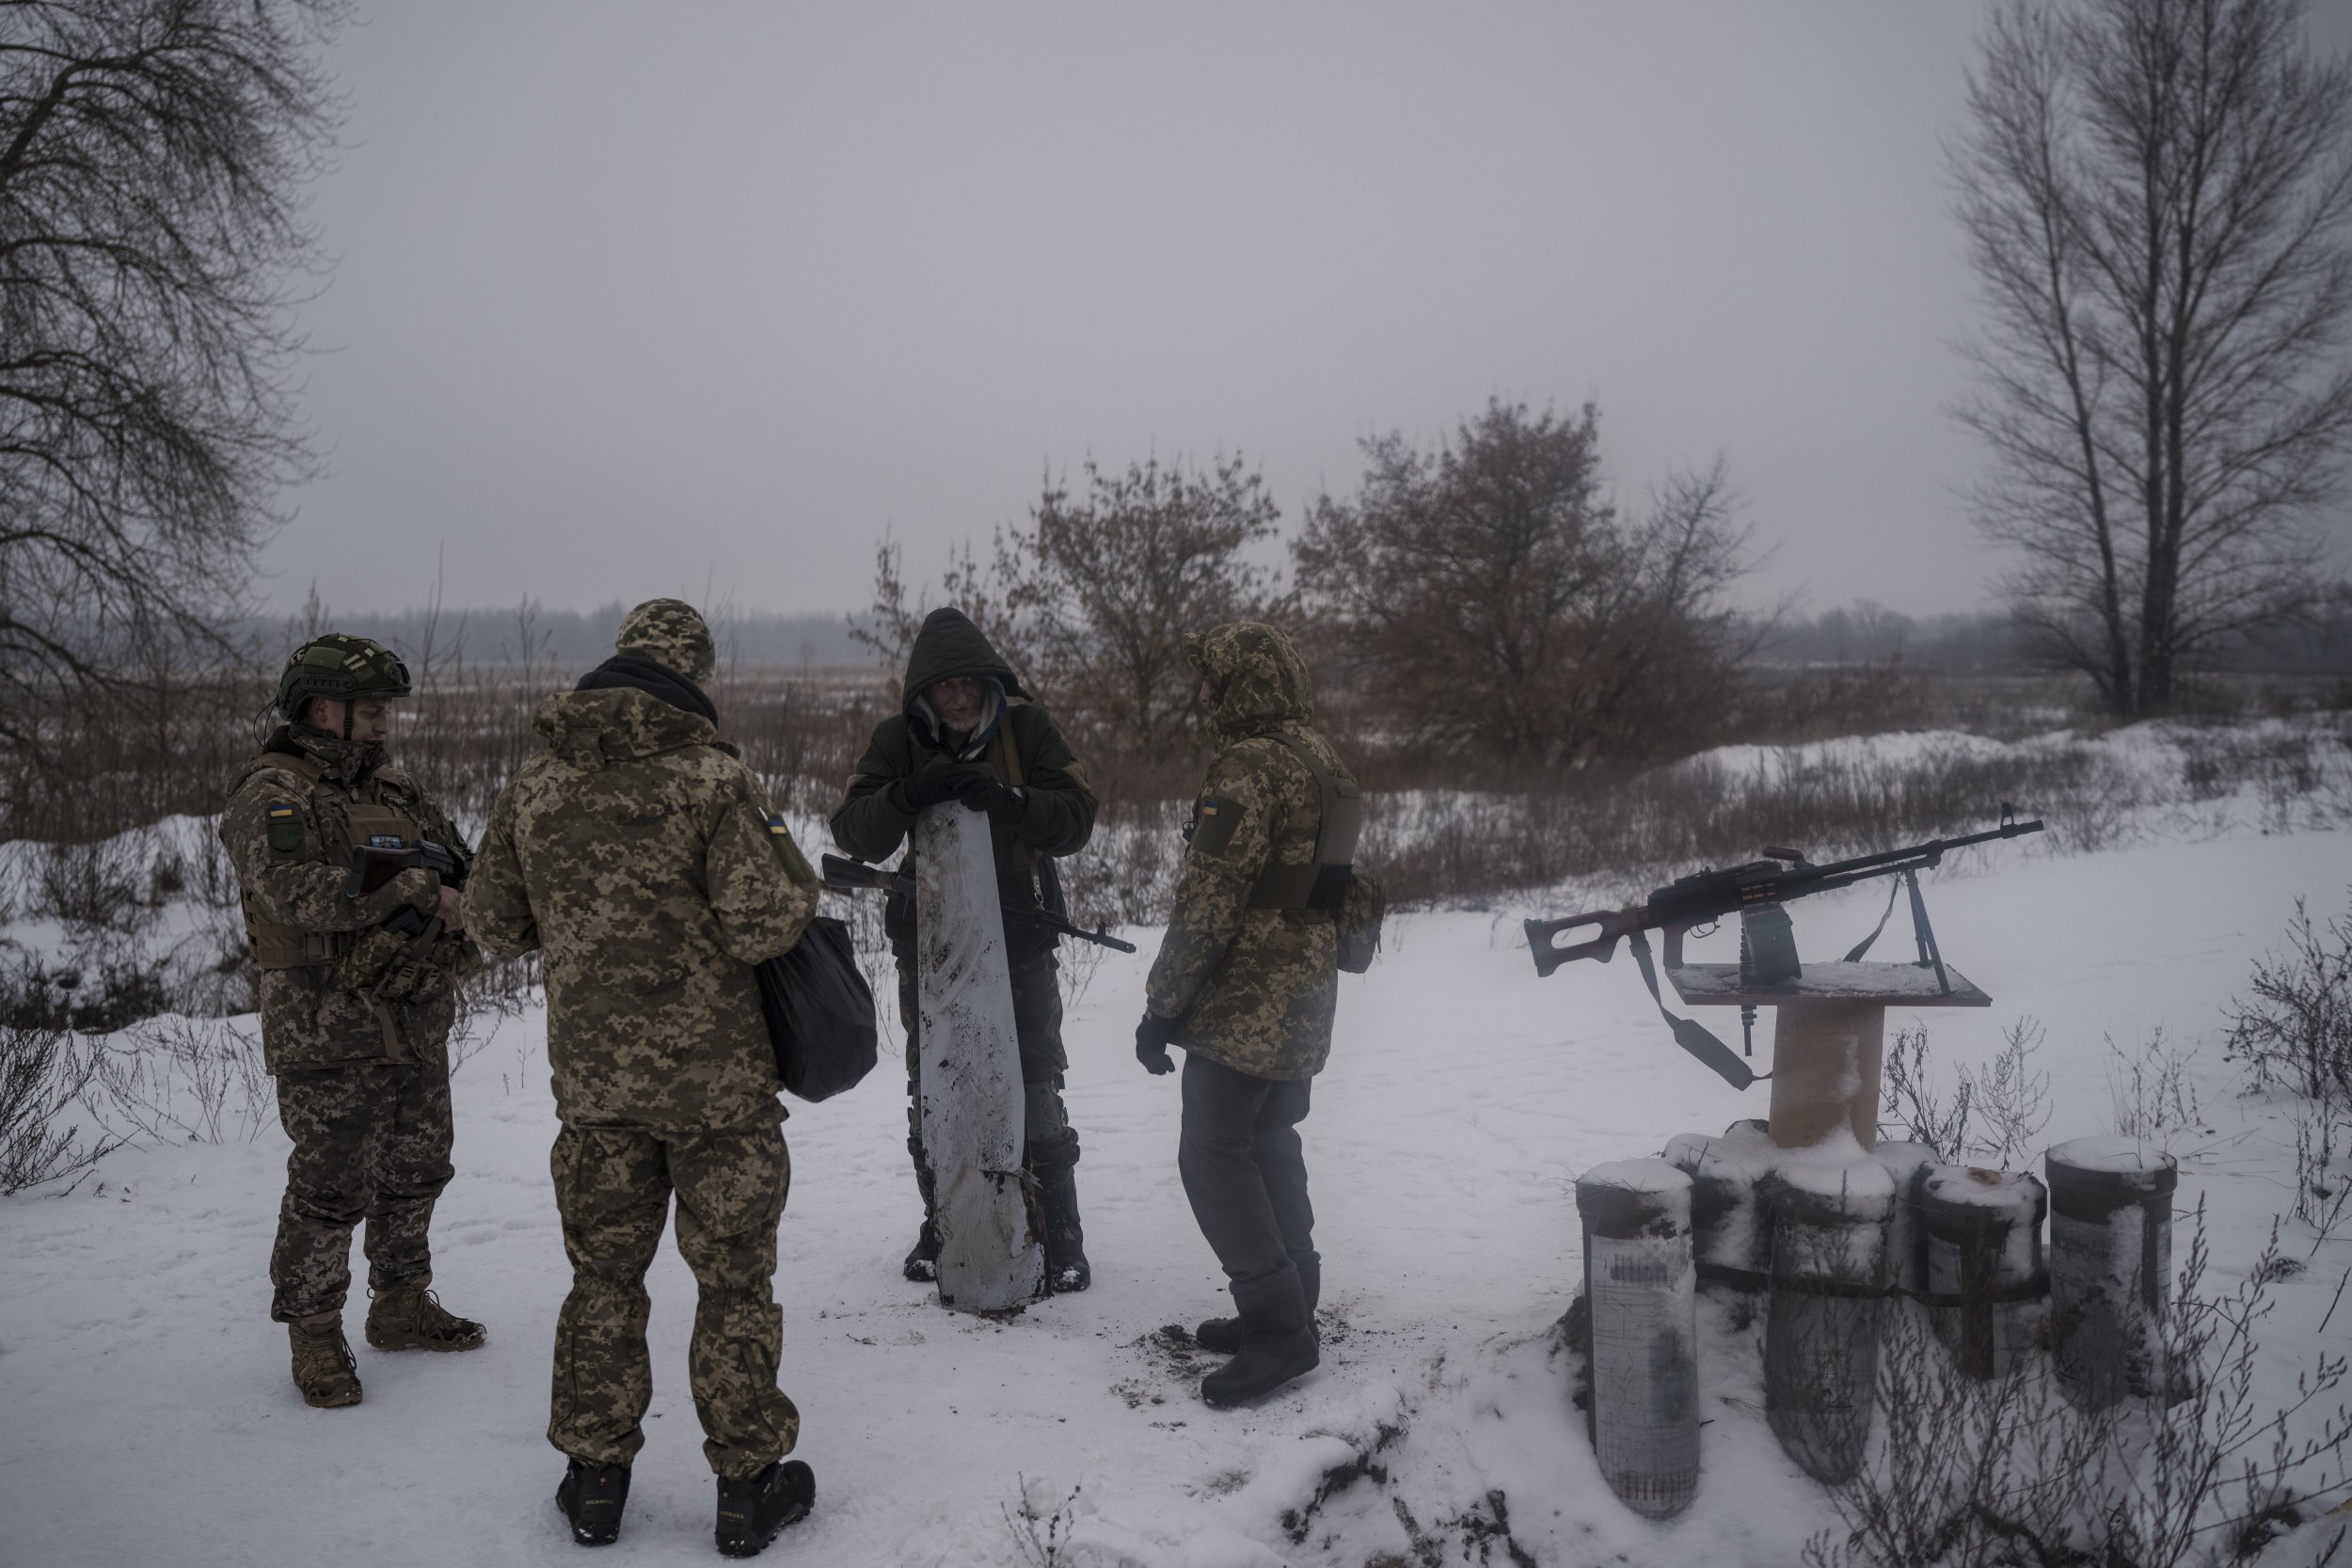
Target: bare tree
pixel 2154 195
pixel 153 155
pixel 1503 609
pixel 1105 588
pixel 1092 598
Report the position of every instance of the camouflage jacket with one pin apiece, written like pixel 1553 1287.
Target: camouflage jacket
pixel 290 836
pixel 873 819
pixel 1256 989
pixel 637 855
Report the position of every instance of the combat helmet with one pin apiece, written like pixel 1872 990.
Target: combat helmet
pixel 340 668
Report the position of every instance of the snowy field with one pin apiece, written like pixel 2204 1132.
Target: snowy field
pixel 146 1415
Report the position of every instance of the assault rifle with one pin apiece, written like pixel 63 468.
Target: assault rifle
pixel 846 876
pixel 1768 950
pixel 372 867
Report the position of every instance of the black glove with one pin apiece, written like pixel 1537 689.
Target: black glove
pixel 934 785
pixel 1152 1037
pixel 1005 804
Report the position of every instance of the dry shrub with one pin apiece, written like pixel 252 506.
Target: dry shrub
pixel 2296 1030
pixel 43 1074
pixel 2004 1473
pixel 173 1079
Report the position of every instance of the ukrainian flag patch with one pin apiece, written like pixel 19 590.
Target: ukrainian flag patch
pixel 285 829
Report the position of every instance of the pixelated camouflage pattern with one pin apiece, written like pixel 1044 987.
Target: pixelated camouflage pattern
pixel 371 1144
pixel 1256 989
pixel 671 632
pixel 636 853
pixel 316 1016
pixel 613 1186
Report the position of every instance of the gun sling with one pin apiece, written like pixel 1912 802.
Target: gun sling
pixel 1322 883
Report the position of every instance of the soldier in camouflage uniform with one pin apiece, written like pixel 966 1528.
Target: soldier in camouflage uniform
pixel 969 733
pixel 1247 981
pixel 355 1007
pixel 637 856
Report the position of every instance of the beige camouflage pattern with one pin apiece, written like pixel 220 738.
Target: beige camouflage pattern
pixel 636 853
pixel 671 632
pixel 316 1016
pixel 1256 989
pixel 613 1186
pixel 371 1143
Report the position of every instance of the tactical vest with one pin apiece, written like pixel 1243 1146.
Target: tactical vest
pixel 1321 884
pixel 345 823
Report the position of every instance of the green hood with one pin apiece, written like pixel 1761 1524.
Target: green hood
pixel 1257 681
pixel 589 729
pixel 947 646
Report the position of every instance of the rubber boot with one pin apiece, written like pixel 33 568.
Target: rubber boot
pixel 1278 1344
pixel 591 1497
pixel 409 1317
pixel 323 1367
pixel 753 1512
pixel 922 1261
pixel 1056 1165
pixel 1222 1335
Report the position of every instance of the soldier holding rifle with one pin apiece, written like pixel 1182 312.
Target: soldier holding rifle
pixel 356 973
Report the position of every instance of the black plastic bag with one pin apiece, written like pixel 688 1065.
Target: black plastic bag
pixel 819 1012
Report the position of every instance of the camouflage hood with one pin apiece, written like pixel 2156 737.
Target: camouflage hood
pixel 672 633
pixel 589 729
pixel 1257 681
pixel 950 645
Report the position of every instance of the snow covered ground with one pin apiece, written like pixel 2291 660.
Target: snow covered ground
pixel 146 1415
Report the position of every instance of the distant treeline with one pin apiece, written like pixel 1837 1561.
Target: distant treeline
pixel 534 634
pixel 1866 632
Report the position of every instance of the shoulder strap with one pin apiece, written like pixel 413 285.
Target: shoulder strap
pixel 1013 751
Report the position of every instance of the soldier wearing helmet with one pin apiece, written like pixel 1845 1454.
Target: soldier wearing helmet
pixel 355 987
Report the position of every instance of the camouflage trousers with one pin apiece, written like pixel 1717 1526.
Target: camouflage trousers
pixel 613 1187
pixel 1036 1025
pixel 370 1143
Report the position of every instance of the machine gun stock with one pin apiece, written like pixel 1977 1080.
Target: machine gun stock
pixel 1614 926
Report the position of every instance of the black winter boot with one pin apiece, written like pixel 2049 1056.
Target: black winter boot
pixel 1278 1344
pixel 1055 1166
pixel 922 1261
pixel 753 1511
pixel 1222 1335
pixel 592 1497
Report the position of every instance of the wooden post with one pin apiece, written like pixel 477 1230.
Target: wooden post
pixel 991 1259
pixel 1826 1058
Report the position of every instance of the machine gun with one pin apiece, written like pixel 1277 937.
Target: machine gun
pixel 847 876
pixel 1768 950
pixel 1755 891
pixel 372 867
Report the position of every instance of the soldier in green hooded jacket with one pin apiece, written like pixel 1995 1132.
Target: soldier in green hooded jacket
pixel 1247 982
pixel 966 730
pixel 356 1006
pixel 638 857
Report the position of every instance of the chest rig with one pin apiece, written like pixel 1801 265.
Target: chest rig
pixel 346 822
pixel 1322 882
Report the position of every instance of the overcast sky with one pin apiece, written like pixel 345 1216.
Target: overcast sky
pixel 636 299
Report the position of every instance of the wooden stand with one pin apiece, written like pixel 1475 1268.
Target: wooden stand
pixel 1829 1033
